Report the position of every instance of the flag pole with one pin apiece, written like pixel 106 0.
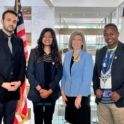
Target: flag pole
pixel 17 6
pixel 21 109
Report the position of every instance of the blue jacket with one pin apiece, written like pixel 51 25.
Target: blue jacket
pixel 79 81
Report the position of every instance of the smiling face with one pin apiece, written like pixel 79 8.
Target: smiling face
pixel 77 42
pixel 47 39
pixel 111 36
pixel 9 23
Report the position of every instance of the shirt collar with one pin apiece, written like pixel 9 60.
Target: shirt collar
pixel 6 36
pixel 112 49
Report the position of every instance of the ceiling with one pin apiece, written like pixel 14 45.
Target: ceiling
pixel 76 15
pixel 71 14
pixel 83 11
pixel 26 11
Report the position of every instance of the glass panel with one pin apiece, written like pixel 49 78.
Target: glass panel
pixel 114 20
pixel 93 42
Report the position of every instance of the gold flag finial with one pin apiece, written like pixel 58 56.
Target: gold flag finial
pixel 17 6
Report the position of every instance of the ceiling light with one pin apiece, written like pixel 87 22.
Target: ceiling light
pixel 70 14
pixel 84 14
pixel 97 14
pixel 25 10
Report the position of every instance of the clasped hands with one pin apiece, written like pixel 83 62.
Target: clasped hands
pixel 11 86
pixel 45 93
pixel 114 95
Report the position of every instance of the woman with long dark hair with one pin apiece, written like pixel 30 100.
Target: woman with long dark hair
pixel 44 73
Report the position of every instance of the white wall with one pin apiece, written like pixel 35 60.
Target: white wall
pixel 23 3
pixel 120 1
pixel 71 3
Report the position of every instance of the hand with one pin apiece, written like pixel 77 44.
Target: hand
pixel 45 93
pixel 78 101
pixel 41 91
pixel 14 85
pixel 6 85
pixel 99 93
pixel 38 87
pixel 64 99
pixel 115 96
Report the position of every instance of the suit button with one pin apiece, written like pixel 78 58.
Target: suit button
pixel 11 73
pixel 12 61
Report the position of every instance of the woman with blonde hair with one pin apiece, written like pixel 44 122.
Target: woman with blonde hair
pixel 76 80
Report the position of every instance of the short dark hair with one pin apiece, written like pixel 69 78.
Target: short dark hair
pixel 8 11
pixel 111 24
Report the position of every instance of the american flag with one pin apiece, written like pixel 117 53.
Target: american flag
pixel 21 110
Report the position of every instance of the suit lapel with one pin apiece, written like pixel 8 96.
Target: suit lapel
pixel 101 58
pixel 41 68
pixel 52 66
pixel 117 52
pixel 3 43
pixel 40 63
pixel 103 53
pixel 15 46
pixel 69 62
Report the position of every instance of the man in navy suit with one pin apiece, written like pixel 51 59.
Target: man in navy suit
pixel 12 67
pixel 108 78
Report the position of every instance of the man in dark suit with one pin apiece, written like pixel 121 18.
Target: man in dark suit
pixel 108 78
pixel 12 67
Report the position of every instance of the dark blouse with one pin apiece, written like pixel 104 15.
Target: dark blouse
pixel 71 63
pixel 47 58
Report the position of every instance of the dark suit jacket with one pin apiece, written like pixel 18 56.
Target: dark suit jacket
pixel 35 75
pixel 117 72
pixel 12 66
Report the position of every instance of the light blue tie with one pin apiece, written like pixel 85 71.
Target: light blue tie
pixel 10 44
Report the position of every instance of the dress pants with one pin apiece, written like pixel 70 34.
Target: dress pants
pixel 110 114
pixel 7 111
pixel 43 112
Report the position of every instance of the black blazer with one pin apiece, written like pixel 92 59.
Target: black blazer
pixel 35 75
pixel 12 66
pixel 117 72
